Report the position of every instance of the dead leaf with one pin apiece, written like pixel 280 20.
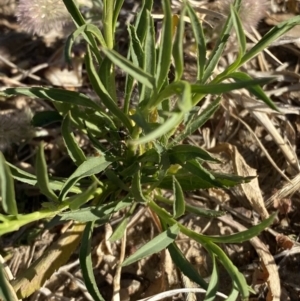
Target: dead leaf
pixel 284 205
pixel 251 190
pixel 55 256
pixel 284 242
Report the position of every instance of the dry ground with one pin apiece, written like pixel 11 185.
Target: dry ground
pixel 248 137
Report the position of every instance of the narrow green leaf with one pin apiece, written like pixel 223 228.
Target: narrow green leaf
pixel 157 244
pixel 244 235
pixel 177 51
pixel 179 202
pixel 239 31
pixel 129 85
pixel 218 50
pixel 101 214
pixel 136 50
pixel 165 47
pixel 79 21
pixel 74 151
pixel 30 179
pixel 53 94
pixel 130 68
pixel 42 174
pixel 75 12
pixel 224 88
pixel 271 36
pixel 92 166
pixel 195 168
pixel 185 100
pixel 149 62
pixel 193 209
pixel 75 202
pixel 213 283
pixel 105 75
pixel 130 170
pixel 204 212
pixel 7 188
pixel 115 179
pixel 175 88
pixel 86 28
pixel 230 180
pixel 136 188
pixel 197 121
pixel 184 152
pixel 22 175
pixel 189 182
pixel 233 295
pixel 255 89
pixel 117 9
pixel 163 129
pixel 85 215
pixel 200 41
pixel 86 263
pixel 102 92
pixel 185 266
pixel 237 277
pixel 120 229
pixel 141 24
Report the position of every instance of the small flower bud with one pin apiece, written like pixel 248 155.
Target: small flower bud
pixel 40 16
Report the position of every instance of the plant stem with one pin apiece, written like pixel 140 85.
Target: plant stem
pixel 108 23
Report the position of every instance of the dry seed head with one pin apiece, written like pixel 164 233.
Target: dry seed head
pixel 40 16
pixel 251 11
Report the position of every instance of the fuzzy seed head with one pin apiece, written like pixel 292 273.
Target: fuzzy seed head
pixel 40 16
pixel 251 11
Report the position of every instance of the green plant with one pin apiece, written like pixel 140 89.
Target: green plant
pixel 152 157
